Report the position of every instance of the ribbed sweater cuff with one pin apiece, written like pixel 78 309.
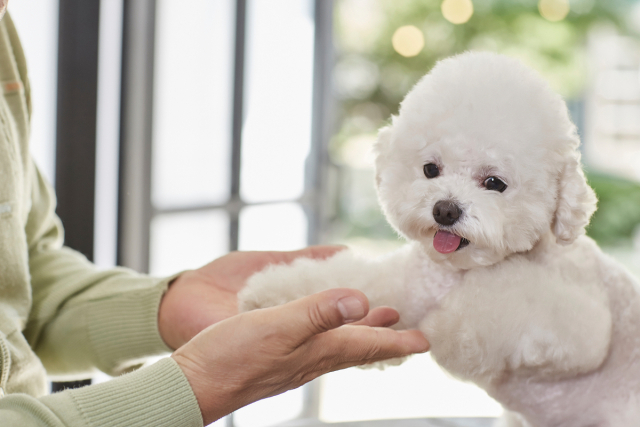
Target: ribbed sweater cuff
pixel 123 329
pixel 158 396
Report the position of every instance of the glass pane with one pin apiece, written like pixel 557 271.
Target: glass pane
pixel 108 134
pixel 187 240
pixel 279 77
pixel 193 102
pixel 416 389
pixel 619 121
pixel 616 85
pixel 37 24
pixel 278 227
pixel 271 411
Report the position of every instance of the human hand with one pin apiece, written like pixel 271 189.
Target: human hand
pixel 202 297
pixel 266 352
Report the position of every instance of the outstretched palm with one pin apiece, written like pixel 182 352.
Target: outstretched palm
pixel 205 296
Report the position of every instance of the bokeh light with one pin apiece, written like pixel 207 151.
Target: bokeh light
pixel 408 41
pixel 554 10
pixel 457 11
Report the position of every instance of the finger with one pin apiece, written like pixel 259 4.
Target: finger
pixel 380 316
pixel 357 345
pixel 364 344
pixel 306 317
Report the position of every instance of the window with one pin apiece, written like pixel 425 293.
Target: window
pixel 228 146
pixel 612 135
pixel 217 135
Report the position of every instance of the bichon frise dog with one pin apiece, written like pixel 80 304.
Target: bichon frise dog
pixel 480 172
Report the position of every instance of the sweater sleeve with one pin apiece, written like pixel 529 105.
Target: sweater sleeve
pixel 158 395
pixel 82 317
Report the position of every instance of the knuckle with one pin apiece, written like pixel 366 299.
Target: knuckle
pixel 320 320
pixel 358 347
pixel 372 348
pixel 325 355
pixel 373 351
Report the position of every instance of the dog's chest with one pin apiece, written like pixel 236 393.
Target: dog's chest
pixel 427 284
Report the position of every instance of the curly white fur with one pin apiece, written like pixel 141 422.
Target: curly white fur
pixel 531 310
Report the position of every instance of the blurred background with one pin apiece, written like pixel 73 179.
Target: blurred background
pixel 175 132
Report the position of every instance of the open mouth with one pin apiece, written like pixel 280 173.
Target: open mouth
pixel 445 242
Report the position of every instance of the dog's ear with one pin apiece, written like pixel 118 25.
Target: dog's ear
pixel 381 148
pixel 575 204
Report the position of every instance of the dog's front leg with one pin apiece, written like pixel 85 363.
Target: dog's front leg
pixel 381 280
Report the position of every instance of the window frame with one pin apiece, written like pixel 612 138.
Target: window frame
pixel 135 208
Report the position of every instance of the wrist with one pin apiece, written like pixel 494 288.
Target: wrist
pixel 168 320
pixel 216 399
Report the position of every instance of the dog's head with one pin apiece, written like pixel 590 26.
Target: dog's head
pixel 481 162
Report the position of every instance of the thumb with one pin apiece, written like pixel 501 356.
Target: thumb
pixel 321 312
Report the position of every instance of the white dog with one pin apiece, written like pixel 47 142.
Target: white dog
pixel 481 173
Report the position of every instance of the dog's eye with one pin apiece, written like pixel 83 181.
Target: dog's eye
pixel 431 170
pixel 495 184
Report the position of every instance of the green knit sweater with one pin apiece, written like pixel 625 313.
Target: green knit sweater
pixel 58 313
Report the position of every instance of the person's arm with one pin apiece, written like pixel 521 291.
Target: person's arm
pixel 82 317
pixel 230 364
pixel 158 396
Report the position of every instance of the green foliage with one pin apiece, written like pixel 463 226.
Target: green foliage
pixel 513 27
pixel 618 214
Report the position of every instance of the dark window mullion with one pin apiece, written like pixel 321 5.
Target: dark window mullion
pixel 236 134
pixel 238 121
pixel 76 121
pixel 317 163
pixel 78 34
pixel 321 119
pixel 134 208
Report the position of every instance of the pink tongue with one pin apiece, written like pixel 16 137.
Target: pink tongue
pixel 445 242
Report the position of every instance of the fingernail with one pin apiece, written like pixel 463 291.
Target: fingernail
pixel 351 309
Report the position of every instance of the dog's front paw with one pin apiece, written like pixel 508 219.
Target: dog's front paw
pixel 252 298
pixel 276 285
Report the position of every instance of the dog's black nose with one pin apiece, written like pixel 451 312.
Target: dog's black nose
pixel 446 212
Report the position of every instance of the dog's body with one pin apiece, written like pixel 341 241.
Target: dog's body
pixel 480 171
